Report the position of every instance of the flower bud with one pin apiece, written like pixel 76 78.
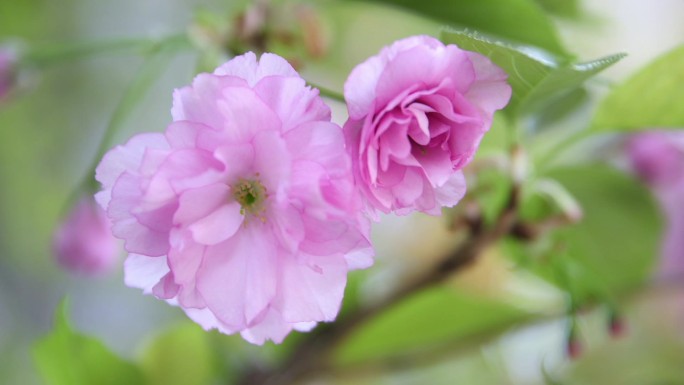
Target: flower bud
pixel 574 349
pixel 616 325
pixel 8 61
pixel 573 344
pixel 83 242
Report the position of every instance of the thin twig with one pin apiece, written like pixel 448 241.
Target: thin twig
pixel 312 354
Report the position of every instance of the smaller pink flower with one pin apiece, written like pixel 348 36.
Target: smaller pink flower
pixel 8 60
pixel 83 243
pixel 417 113
pixel 657 157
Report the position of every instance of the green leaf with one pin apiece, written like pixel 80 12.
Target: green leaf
pixel 559 108
pixel 65 357
pixel 537 78
pixel 614 247
pixel 429 319
pixel 563 8
pixel 521 21
pixel 182 355
pixel 653 97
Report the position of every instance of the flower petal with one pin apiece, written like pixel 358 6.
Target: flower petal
pixel 218 226
pixel 144 272
pixel 238 277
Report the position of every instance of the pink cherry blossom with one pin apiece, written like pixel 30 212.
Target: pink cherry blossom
pixel 243 212
pixel 417 113
pixel 8 61
pixel 657 157
pixel 83 243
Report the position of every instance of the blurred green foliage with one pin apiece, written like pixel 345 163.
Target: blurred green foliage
pixel 181 355
pixel 432 319
pixel 48 137
pixel 651 98
pixel 521 21
pixel 65 357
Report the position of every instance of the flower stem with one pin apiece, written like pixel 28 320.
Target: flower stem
pixel 328 93
pixel 148 73
pixel 157 56
pixel 310 355
pixel 54 54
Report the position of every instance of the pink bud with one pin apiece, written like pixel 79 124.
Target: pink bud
pixel 8 61
pixel 617 326
pixel 573 345
pixel 574 348
pixel 83 242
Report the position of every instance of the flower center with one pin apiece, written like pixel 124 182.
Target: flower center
pixel 250 194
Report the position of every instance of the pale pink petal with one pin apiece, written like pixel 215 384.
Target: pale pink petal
pixel 360 259
pixel 238 160
pixel 326 237
pixel 271 327
pixel 185 259
pixel 244 113
pixel 246 67
pixel 304 326
pixel 238 277
pixel 272 159
pixel 313 290
pixel 197 203
pixel 292 100
pixel 124 158
pixel 144 272
pixel 207 320
pixel 218 226
pixel 410 188
pixel 359 89
pixel 166 288
pixel 139 239
pixel 199 103
pixel 322 141
pixel 490 91
pixel 452 191
pixel 400 73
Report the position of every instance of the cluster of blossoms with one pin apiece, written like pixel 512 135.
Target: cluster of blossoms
pixel 657 157
pixel 252 206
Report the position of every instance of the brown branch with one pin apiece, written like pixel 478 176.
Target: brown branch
pixel 311 355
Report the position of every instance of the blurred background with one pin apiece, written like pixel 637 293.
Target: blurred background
pixel 52 123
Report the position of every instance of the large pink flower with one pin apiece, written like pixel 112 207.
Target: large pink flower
pixel 244 211
pixel 417 113
pixel 83 243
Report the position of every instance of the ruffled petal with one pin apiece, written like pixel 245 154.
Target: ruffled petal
pixel 144 272
pixel 218 226
pixel 248 68
pixel 124 158
pixel 238 277
pixel 311 289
